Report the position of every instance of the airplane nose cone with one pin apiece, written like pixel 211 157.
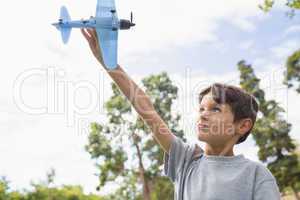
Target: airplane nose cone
pixel 55 25
pixel 125 24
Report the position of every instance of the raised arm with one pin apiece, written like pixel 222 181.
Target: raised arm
pixel 140 101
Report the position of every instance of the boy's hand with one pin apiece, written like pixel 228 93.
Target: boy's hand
pixel 91 36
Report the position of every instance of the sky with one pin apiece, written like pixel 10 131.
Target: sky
pixel 51 92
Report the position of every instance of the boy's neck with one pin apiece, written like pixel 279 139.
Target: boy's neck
pixel 218 151
pixel 221 150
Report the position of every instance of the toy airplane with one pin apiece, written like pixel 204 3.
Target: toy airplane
pixel 106 24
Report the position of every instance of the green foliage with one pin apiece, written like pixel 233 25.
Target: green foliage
pixel 129 189
pixel 42 191
pixel 3 188
pixel 50 176
pixel 292 73
pixel 125 152
pixel 163 189
pixel 271 133
pixel 293 5
pixel 267 5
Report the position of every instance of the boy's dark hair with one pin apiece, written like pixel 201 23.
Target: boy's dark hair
pixel 242 104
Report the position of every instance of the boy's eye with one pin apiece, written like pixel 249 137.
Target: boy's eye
pixel 216 109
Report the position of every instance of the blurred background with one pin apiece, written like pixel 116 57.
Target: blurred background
pixel 66 132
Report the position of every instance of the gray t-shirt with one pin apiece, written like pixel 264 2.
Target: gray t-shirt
pixel 202 177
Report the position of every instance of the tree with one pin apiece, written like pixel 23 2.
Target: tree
pixel 292 72
pixel 45 190
pixel 50 176
pixel 3 188
pixel 42 192
pixel 271 134
pixel 125 151
pixel 292 4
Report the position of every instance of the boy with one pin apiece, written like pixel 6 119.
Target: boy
pixel 227 115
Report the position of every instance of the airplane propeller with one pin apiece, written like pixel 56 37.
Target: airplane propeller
pixel 126 24
pixel 131 19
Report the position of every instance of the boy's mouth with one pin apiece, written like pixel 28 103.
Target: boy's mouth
pixel 203 126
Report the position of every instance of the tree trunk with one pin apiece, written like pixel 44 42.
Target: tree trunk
pixel 146 188
pixel 296 194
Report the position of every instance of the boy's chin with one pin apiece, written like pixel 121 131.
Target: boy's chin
pixel 212 139
pixel 203 136
pixel 208 138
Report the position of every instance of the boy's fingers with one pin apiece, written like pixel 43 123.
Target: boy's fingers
pixel 91 32
pixel 92 35
pixel 94 31
pixel 96 35
pixel 85 34
pixel 89 38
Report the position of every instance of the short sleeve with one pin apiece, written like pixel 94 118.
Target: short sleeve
pixel 266 190
pixel 179 154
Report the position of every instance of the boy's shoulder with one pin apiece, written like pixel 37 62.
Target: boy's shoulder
pixel 198 151
pixel 262 173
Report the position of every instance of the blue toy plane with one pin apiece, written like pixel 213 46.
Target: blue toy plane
pixel 106 24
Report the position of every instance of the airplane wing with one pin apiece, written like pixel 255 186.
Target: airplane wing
pixel 108 40
pixel 104 8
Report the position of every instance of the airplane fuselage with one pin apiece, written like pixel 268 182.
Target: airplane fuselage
pixel 105 23
pixel 94 22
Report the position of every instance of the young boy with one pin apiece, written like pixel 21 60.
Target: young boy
pixel 226 117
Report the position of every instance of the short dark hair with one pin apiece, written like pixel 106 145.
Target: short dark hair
pixel 243 105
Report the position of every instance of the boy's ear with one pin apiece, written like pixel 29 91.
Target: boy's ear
pixel 243 126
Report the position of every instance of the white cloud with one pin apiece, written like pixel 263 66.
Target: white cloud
pixel 285 49
pixel 291 30
pixel 247 45
pixel 244 24
pixel 30 151
pixel 179 22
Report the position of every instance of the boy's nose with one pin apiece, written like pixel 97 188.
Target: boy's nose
pixel 204 116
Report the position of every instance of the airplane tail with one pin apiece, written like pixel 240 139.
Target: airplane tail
pixel 65 31
pixel 64 14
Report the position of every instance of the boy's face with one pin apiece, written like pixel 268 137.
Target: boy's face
pixel 215 123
